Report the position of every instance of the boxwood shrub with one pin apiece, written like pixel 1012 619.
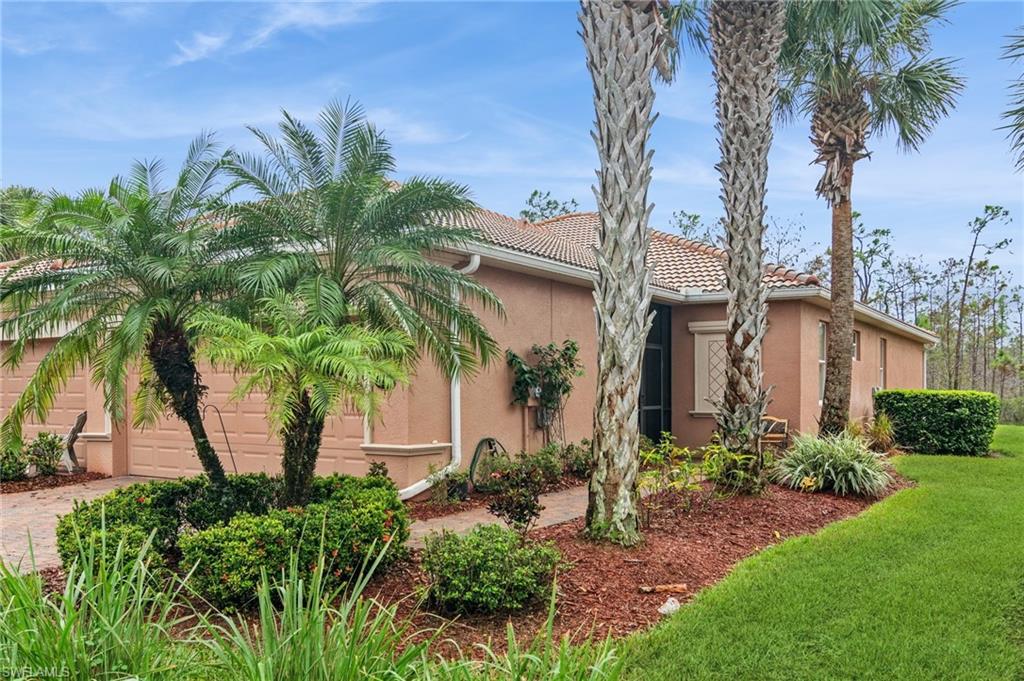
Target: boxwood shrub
pixel 489 569
pixel 941 421
pixel 150 507
pixel 229 534
pixel 352 526
pixel 226 560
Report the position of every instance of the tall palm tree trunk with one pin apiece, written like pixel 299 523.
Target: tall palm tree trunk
pixel 835 405
pixel 839 130
pixel 746 40
pixel 174 364
pixel 301 439
pixel 623 41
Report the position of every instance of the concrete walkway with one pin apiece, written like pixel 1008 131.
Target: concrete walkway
pixel 559 507
pixel 36 513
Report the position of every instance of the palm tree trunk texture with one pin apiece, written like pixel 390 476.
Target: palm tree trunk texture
pixel 839 130
pixel 746 39
pixel 173 361
pixel 301 448
pixel 835 405
pixel 623 42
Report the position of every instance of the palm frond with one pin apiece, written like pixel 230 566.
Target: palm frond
pixel 1014 115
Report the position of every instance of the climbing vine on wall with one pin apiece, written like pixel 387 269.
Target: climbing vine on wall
pixel 549 378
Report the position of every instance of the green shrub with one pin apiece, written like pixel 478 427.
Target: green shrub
pixel 842 464
pixel 326 486
pixel 548 460
pixel 517 499
pixel 226 560
pixel 351 527
pixel 205 506
pixel 447 486
pixel 880 434
pixel 666 469
pixel 729 471
pixel 578 459
pixel 13 464
pixel 45 452
pixel 151 507
pixel 940 421
pixel 489 569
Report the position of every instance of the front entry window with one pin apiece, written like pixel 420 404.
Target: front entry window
pixel 656 376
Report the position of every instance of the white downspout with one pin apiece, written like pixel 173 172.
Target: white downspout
pixel 455 405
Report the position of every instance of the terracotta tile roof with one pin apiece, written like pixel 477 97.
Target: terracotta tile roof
pixel 679 264
pixel 33 269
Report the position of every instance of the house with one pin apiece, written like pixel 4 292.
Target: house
pixel 544 273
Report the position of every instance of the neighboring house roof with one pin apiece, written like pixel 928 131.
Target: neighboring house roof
pixel 678 264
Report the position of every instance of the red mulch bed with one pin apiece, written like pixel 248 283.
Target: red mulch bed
pixel 49 481
pixel 598 593
pixel 598 590
pixel 425 509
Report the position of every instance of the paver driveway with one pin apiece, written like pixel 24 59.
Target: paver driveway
pixel 36 512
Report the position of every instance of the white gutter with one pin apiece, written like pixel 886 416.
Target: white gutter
pixel 519 261
pixel 455 403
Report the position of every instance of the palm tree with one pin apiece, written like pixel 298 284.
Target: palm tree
pixel 624 41
pixel 746 40
pixel 14 200
pixel 310 364
pixel 1015 114
pixel 125 270
pixel 859 68
pixel 327 215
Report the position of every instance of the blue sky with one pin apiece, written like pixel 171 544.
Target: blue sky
pixel 495 95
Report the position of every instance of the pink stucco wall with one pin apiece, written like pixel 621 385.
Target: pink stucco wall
pixel 537 310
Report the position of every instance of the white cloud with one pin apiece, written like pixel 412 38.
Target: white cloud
pixel 399 127
pixel 305 16
pixel 201 46
pixel 115 110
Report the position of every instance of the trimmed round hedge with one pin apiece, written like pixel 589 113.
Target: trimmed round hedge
pixel 227 535
pixel 489 569
pixel 941 421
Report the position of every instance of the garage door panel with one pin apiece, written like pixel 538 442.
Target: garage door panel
pixel 69 404
pixel 166 450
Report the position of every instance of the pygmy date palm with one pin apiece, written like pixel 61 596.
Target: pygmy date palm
pixel 625 42
pixel 120 273
pixel 310 364
pixel 858 67
pixel 746 39
pixel 329 218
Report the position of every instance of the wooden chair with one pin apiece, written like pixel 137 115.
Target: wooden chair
pixel 775 432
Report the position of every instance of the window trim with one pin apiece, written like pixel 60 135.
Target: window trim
pixel 703 332
pixel 856 345
pixel 883 362
pixel 822 359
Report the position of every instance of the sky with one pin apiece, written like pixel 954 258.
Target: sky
pixel 493 95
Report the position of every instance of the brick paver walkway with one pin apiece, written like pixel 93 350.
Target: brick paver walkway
pixel 36 512
pixel 559 507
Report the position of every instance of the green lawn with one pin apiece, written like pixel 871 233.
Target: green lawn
pixel 928 584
